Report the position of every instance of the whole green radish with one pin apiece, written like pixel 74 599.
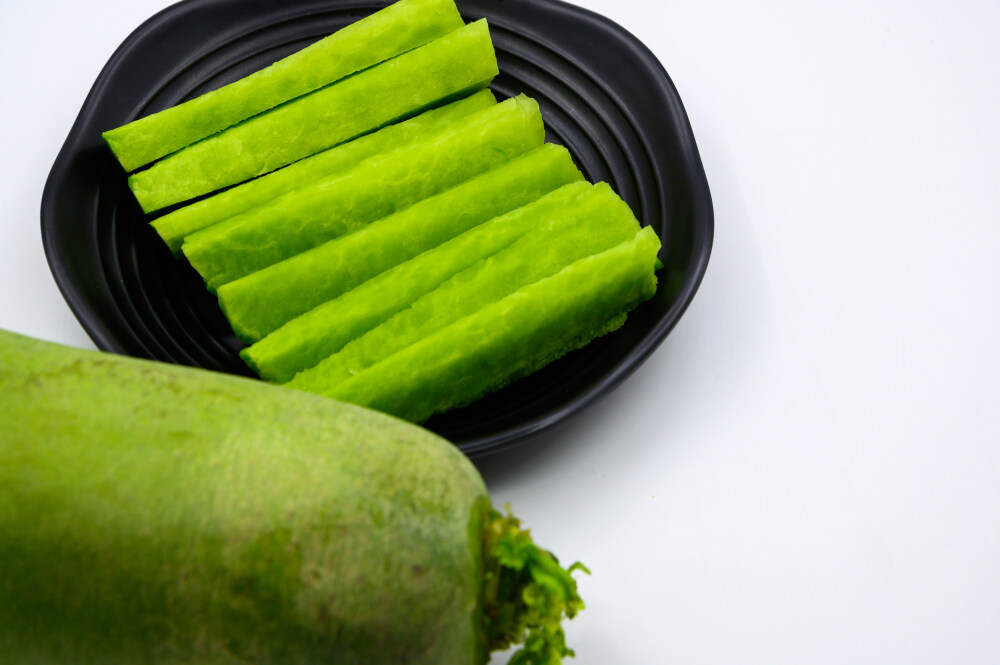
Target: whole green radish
pixel 165 515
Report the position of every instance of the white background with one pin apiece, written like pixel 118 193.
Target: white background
pixel 807 471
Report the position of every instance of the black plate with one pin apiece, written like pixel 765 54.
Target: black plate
pixel 603 95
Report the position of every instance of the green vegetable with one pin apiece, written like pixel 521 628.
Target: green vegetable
pixel 305 341
pixel 592 221
pixel 509 338
pixel 378 186
pixel 262 301
pixel 400 27
pixel 177 225
pixel 163 515
pixel 460 62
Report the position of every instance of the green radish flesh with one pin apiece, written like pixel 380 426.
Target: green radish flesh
pixel 595 221
pixel 378 186
pixel 306 260
pixel 175 226
pixel 396 29
pixel 509 338
pixel 305 341
pixel 455 64
pixel 262 301
pixel 163 515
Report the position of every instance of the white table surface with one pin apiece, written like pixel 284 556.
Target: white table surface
pixel 807 471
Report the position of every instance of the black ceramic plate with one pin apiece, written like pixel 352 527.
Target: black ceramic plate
pixel 603 95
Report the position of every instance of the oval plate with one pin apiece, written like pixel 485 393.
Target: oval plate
pixel 603 95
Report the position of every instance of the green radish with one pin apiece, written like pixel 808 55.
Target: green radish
pixel 175 226
pixel 396 29
pixel 165 515
pixel 592 222
pixel 378 186
pixel 456 64
pixel 509 338
pixel 262 301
